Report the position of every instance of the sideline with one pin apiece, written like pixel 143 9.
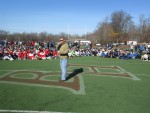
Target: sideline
pixel 143 74
pixel 26 111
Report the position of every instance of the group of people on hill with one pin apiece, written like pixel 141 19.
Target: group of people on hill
pixel 47 50
pixel 137 52
pixel 27 50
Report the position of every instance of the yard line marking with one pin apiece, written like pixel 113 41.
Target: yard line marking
pixel 114 62
pixel 14 70
pixel 26 111
pixel 132 75
pixel 143 74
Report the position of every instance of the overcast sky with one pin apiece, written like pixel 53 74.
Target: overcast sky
pixel 69 16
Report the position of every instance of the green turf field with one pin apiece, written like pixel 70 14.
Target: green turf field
pixel 105 86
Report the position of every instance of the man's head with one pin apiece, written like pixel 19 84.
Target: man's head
pixel 62 40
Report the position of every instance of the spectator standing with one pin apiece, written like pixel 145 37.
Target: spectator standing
pixel 131 47
pixel 1 53
pixel 63 51
pixel 141 48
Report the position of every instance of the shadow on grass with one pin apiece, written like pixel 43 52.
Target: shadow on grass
pixel 74 73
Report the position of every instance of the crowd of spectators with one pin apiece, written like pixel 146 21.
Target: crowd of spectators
pixel 31 50
pixel 132 52
pixel 27 50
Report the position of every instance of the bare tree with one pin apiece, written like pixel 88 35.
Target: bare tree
pixel 120 22
pixel 102 31
pixel 105 32
pixel 144 29
pixel 133 32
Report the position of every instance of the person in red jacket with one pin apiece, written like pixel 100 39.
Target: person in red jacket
pixel 30 55
pixel 55 54
pixel 20 55
pixel 41 54
pixel 24 54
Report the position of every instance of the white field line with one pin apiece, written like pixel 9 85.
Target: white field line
pixel 14 70
pixel 132 75
pixel 143 74
pixel 27 111
pixel 112 62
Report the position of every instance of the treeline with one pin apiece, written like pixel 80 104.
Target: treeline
pixel 43 36
pixel 117 28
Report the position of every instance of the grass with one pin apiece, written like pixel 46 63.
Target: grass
pixel 104 94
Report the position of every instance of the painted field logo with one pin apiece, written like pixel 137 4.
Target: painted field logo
pixel 74 83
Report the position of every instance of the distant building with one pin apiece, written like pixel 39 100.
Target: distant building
pixel 132 42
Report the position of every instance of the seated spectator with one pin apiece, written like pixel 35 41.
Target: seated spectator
pixel 55 54
pixel 47 52
pixel 31 55
pixel 11 53
pixel 7 56
pixel 137 55
pixel 103 54
pixel 1 53
pixel 88 52
pixel 82 52
pixel 20 55
pixel 99 53
pixel 71 53
pixel 24 54
pixel 41 54
pixel 109 54
pixel 130 56
pixel 77 53
pixel 93 52
pixel 144 57
pixel 115 54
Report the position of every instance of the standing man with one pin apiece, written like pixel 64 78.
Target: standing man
pixel 63 51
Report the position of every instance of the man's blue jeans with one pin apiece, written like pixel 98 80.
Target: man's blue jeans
pixel 63 64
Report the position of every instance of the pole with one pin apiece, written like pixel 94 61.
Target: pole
pixel 85 31
pixel 68 31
